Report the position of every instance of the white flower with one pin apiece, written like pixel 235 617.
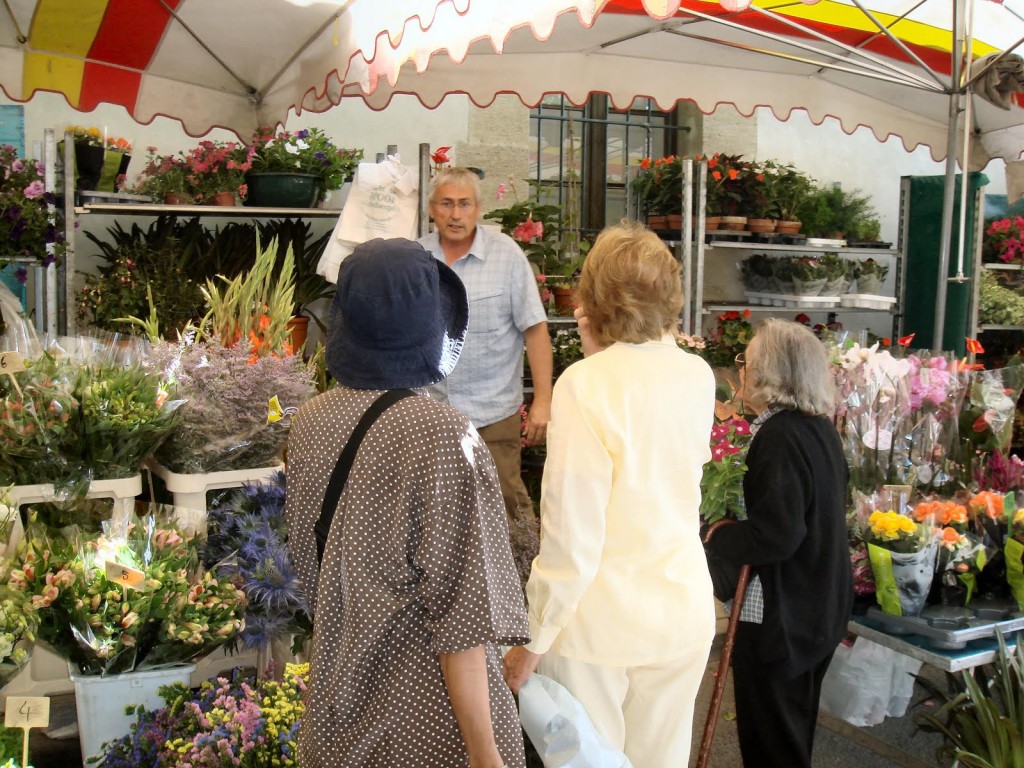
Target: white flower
pixel 301 144
pixel 291 149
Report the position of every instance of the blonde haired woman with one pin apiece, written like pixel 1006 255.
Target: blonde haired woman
pixel 620 603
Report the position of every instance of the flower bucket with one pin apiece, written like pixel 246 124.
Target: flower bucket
pixel 270 189
pixel 88 165
pixel 100 702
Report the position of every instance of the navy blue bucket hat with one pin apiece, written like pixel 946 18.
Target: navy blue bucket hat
pixel 398 318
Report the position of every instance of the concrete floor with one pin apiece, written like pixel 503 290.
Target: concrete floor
pixel 895 743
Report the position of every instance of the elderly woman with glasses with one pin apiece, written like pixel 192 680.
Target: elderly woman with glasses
pixel 801 592
pixel 620 603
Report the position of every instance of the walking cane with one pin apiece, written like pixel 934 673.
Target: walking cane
pixel 723 663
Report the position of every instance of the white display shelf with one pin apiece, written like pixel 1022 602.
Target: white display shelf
pixel 222 211
pixel 189 489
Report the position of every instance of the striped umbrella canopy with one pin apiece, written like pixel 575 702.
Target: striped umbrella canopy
pixel 901 67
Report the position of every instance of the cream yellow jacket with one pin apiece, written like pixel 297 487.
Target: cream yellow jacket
pixel 621 578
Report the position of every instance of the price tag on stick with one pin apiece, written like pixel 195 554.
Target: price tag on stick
pixel 26 712
pixel 10 364
pixel 128 578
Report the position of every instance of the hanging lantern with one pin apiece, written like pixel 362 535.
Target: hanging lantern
pixel 735 6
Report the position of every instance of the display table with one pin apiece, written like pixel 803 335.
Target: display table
pixel 977 652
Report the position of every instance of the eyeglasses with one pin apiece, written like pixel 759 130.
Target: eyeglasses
pixel 462 205
pixel 740 360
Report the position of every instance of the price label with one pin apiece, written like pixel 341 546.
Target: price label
pixel 125 576
pixel 27 712
pixel 11 362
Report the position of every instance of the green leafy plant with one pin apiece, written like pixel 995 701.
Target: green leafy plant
pixel 306 151
pixel 872 268
pixel 982 714
pixel 792 190
pixel 534 224
pixel 1000 299
pixel 730 337
pixel 721 484
pixel 727 183
pixel 835 212
pixel 163 175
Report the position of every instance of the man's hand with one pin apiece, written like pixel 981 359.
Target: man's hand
pixel 537 418
pixel 519 664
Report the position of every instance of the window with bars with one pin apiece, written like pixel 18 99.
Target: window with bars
pixel 580 155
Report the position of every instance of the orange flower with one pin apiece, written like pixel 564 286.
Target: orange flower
pixel 987 503
pixel 645 163
pixel 950 535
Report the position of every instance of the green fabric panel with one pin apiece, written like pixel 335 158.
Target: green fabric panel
pixel 924 234
pixel 885 583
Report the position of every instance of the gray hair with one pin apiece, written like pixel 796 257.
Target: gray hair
pixel 460 177
pixel 787 366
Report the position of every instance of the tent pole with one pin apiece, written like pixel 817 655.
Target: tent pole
pixel 949 188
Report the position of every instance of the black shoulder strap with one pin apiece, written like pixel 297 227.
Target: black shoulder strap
pixel 348 454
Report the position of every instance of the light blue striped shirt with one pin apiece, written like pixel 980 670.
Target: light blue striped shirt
pixel 487 383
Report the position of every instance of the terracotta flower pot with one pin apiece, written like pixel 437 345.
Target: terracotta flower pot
pixel 734 223
pixel 222 198
pixel 298 328
pixel 712 223
pixel 787 227
pixel 657 222
pixel 173 198
pixel 565 300
pixel 674 221
pixel 761 226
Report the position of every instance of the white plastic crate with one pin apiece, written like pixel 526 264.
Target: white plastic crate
pixel 189 490
pixel 868 301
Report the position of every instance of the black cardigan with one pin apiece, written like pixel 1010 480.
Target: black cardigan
pixel 795 537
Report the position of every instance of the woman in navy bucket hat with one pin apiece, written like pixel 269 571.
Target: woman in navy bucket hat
pixel 417 588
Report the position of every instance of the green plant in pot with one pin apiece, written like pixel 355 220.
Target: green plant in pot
pixel 792 190
pixel 761 192
pixel 757 272
pixel 534 224
pixel 809 276
pixel 833 212
pixel 296 169
pixel 164 179
pixel 870 276
pixel 310 286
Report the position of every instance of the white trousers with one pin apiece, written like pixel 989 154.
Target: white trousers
pixel 645 711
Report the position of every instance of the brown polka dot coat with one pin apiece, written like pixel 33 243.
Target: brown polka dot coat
pixel 417 563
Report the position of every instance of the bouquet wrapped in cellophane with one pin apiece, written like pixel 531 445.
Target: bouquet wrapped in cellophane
pixel 86 409
pixel 131 597
pixel 902 554
pixel 898 417
pixel 17 617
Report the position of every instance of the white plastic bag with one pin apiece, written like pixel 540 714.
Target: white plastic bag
pixel 560 729
pixel 867 682
pixel 383 202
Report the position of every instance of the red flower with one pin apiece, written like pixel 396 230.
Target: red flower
pixel 974 347
pixel 440 157
pixel 645 163
pixel 904 341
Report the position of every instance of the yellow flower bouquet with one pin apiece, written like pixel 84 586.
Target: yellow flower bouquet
pixel 902 555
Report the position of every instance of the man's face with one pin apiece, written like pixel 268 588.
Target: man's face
pixel 455 213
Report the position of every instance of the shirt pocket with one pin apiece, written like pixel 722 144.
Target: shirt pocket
pixel 485 311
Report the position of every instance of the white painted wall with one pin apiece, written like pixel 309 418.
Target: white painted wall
pixel 857 161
